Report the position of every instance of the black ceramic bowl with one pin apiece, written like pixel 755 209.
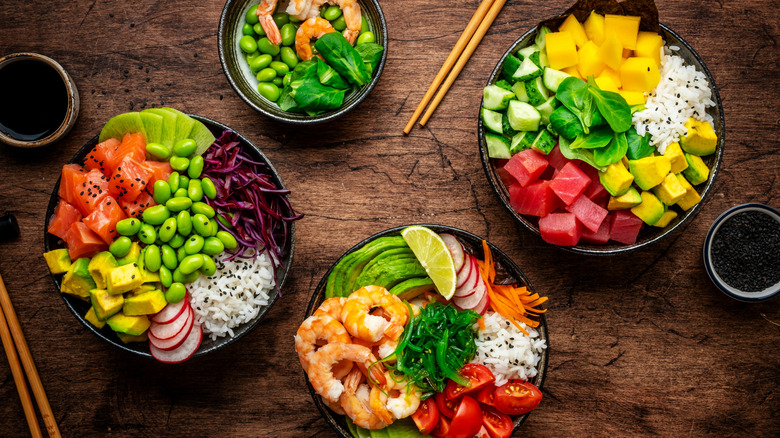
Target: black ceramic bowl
pixel 245 84
pixel 79 307
pixel 505 268
pixel 648 235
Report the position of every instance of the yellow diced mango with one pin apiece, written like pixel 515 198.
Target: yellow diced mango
pixel 571 25
pixel 561 50
pixel 612 74
pixel 648 45
pixel 594 28
pixel 573 70
pixel 639 74
pixel 606 84
pixel 625 27
pixel 676 156
pixel 611 52
pixel 633 97
pixel 590 63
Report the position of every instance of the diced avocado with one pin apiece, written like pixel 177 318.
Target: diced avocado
pixel 547 108
pixel 665 218
pixel 77 280
pixel 523 117
pixel 496 98
pixel 700 139
pixel 519 89
pixel 132 256
pixel 616 179
pixel 649 171
pixel 497 146
pixel 521 141
pixel 408 289
pixel 625 201
pixel 99 267
pixel 544 142
pixel 92 318
pixel 146 303
pixel 124 279
pixel 697 171
pixel 510 66
pixel 536 91
pixel 58 260
pixel 140 290
pixel 625 161
pixel 691 197
pixel 670 190
pixel 150 277
pixel 143 337
pixel 129 325
pixel 553 78
pixel 676 157
pixel 105 304
pixel 650 210
pixel 491 120
pixel 528 70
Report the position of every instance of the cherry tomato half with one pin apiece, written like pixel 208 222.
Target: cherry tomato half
pixel 427 416
pixel 467 420
pixel 517 397
pixel 498 425
pixel 487 394
pixel 442 429
pixel 483 433
pixel 447 408
pixel 477 375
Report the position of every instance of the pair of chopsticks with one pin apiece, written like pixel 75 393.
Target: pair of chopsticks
pixel 476 29
pixel 13 342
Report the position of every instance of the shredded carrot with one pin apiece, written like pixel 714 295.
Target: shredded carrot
pixel 481 322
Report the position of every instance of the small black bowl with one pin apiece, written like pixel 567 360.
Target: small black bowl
pixel 79 307
pixel 244 83
pixel 472 244
pixel 649 235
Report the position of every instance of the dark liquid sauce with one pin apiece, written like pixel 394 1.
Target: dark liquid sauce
pixel 33 100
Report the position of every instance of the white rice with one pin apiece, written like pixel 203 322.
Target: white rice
pixel 234 295
pixel 683 92
pixel 508 352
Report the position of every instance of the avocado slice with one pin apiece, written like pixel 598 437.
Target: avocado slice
pixel 129 325
pixel 650 210
pixel 105 304
pixel 153 125
pixel 697 171
pixel 143 337
pixel 371 277
pixel 101 264
pixel 397 273
pixel 691 197
pixel 391 253
pixel 616 179
pixel 168 134
pixel 666 218
pixel 77 280
pixel 351 266
pixel 676 157
pixel 92 318
pixel 132 256
pixel 649 171
pixel 670 190
pixel 700 139
pixel 411 288
pixel 124 279
pixel 625 201
pixel 146 303
pixel 120 125
pixel 58 260
pixel 404 428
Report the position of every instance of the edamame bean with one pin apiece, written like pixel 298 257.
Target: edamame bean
pixel 214 227
pixel 195 191
pixel 167 229
pixel 158 151
pixel 266 75
pixel 288 32
pixel 184 182
pixel 339 24
pixel 184 223
pixel 194 244
pixel 181 253
pixel 180 163
pixel 181 277
pixel 367 37
pixel 280 68
pixel 269 90
pixel 180 193
pixel 213 246
pixel 252 56
pixel 288 57
pixel 175 293
pixel 204 209
pixel 120 247
pixel 169 257
pixel 332 13
pixel 246 29
pixel 209 267
pixel 260 63
pixel 286 80
pixel 364 25
pixel 209 189
pixel 185 147
pixel 258 28
pixel 247 43
pixel 295 20
pixel 278 82
pixel 196 167
pixel 225 222
pixel 173 181
pixel 281 19
pixel 128 227
pixel 147 234
pixel 251 15
pixel 191 264
pixel 227 239
pixel 166 278
pixel 162 191
pixel 156 215
pixel 265 45
pixel 152 258
pixel 201 224
pixel 177 241
pixel 178 204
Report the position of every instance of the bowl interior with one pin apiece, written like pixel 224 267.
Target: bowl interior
pixel 505 268
pixel 648 235
pixel 245 84
pixel 79 307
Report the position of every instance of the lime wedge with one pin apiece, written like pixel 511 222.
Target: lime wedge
pixel 434 256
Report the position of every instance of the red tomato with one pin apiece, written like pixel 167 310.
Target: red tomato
pixel 135 208
pixel 517 397
pixel 426 417
pixel 65 215
pixel 486 395
pixel 442 429
pixel 98 157
pixel 129 179
pixel 103 220
pixel 498 425
pixel 446 407
pixel 477 375
pixel 483 433
pixel 83 242
pixel 467 420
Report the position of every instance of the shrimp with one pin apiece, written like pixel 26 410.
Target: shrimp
pixel 322 361
pixel 332 307
pixel 360 323
pixel 351 382
pixel 299 8
pixel 317 328
pixel 314 27
pixel 399 400
pixel 356 405
pixel 378 403
pixel 351 11
pixel 265 11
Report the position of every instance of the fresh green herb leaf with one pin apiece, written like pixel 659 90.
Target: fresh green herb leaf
pixel 329 77
pixel 612 106
pixel 613 152
pixel 598 137
pixel 573 94
pixel 565 124
pixel 371 53
pixel 340 55
pixel 638 147
pixel 585 155
pixel 287 102
pixel 311 95
pixel 540 37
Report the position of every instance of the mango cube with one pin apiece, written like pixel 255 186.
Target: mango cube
pixel 697 171
pixel 650 210
pixel 611 52
pixel 625 27
pixel 573 71
pixel 590 63
pixel 691 196
pixel 676 156
pixel 666 218
pixel 612 74
pixel 648 45
pixel 616 179
pixel 571 25
pixel 633 97
pixel 649 171
pixel 670 190
pixel 639 74
pixel 594 28
pixel 561 50
pixel 700 139
pixel 606 84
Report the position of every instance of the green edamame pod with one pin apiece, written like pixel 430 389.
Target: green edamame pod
pixel 120 247
pixel 152 258
pixel 204 209
pixel 288 57
pixel 260 63
pixel 181 253
pixel 128 227
pixel 225 222
pixel 175 293
pixel 196 167
pixel 266 75
pixel 158 151
pixel 366 37
pixel 332 12
pixel 181 277
pixel 178 204
pixel 209 189
pixel 280 18
pixel 173 181
pixel 288 32
pixel 194 244
pixel 147 234
pixel 214 227
pixel 201 224
pixel 269 90
pixel 177 241
pixel 252 56
pixel 195 191
pixel 227 239
pixel 180 164
pixel 280 68
pixel 247 44
pixel 185 147
pixel 278 82
pixel 190 264
pixel 246 29
pixel 184 181
pixel 287 79
pixel 184 223
pixel 264 45
pixel 162 191
pixel 339 24
pixel 213 246
pixel 251 15
pixel 209 267
pixel 167 229
pixel 258 28
pixel 180 193
pixel 168 257
pixel 156 215
pixel 166 278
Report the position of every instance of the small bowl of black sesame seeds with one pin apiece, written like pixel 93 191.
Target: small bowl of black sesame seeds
pixel 742 252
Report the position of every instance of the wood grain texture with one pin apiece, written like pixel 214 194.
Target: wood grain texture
pixel 642 344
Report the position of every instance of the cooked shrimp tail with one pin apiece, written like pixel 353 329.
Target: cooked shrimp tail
pixel 351 11
pixel 323 360
pixel 265 11
pixel 320 329
pixel 357 406
pixel 314 27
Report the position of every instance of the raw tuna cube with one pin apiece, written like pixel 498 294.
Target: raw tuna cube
pixel 548 174
pixel 556 158
pixel 506 178
pixel 601 236
pixel 588 213
pixel 526 166
pixel 595 191
pixel 625 227
pixel 569 183
pixel 560 229
pixel 535 200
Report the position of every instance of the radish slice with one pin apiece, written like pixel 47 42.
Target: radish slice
pixel 174 342
pixel 456 249
pixel 471 301
pixel 483 305
pixel 167 331
pixel 171 311
pixel 465 272
pixel 471 281
pixel 184 351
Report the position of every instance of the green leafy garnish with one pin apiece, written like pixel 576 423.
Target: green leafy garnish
pixel 598 137
pixel 371 53
pixel 565 124
pixel 585 155
pixel 638 147
pixel 612 106
pixel 613 152
pixel 340 55
pixel 329 77
pixel 573 94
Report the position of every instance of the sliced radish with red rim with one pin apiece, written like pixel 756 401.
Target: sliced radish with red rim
pixel 176 341
pixel 456 250
pixel 171 311
pixel 167 331
pixel 183 351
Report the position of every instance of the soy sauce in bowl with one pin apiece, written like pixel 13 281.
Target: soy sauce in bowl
pixel 36 100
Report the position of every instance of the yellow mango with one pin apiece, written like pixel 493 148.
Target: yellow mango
pixel 611 74
pixel 611 52
pixel 594 28
pixel 606 84
pixel 639 74
pixel 561 50
pixel 675 155
pixel 573 70
pixel 590 63
pixel 633 97
pixel 648 45
pixel 571 25
pixel 625 27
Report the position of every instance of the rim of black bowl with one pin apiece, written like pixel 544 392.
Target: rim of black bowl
pixel 141 348
pixel 337 422
pixel 749 297
pixel 612 248
pixel 352 100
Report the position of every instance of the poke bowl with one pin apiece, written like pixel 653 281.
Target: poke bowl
pixel 383 246
pixel 610 210
pixel 164 309
pixel 293 65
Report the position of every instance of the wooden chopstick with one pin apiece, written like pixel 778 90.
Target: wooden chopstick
pixel 27 362
pixel 464 57
pixel 450 61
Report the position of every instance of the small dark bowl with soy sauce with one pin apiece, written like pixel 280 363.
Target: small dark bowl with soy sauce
pixel 40 102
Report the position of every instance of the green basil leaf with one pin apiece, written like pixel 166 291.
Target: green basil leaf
pixel 612 106
pixel 598 138
pixel 638 147
pixel 371 53
pixel 613 152
pixel 340 55
pixel 585 155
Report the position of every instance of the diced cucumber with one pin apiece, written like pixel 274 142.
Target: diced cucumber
pixel 504 84
pixel 519 89
pixel 506 127
pixel 511 64
pixel 496 98
pixel 547 108
pixel 535 58
pixel 544 142
pixel 521 141
pixel 537 92
pixel 497 146
pixel 553 79
pixel 539 41
pixel 525 52
pixel 543 60
pixel 527 71
pixel 522 116
pixel 492 120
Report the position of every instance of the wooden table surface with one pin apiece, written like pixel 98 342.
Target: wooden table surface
pixel 641 344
